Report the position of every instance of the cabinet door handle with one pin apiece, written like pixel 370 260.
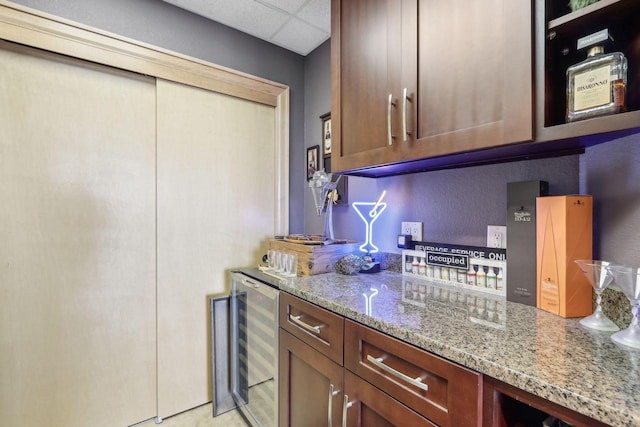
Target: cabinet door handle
pixel 297 321
pixel 346 405
pixel 380 364
pixel 390 105
pixel 405 98
pixel 332 394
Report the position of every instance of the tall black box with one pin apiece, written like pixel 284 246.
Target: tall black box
pixel 521 239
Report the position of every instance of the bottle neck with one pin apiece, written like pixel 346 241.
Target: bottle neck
pixel 595 50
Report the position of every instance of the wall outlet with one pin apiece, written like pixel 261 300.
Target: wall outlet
pixel 413 228
pixel 496 236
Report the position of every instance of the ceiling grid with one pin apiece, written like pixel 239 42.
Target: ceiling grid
pixel 296 25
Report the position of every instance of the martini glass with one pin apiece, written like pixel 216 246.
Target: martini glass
pixel 628 280
pixel 599 278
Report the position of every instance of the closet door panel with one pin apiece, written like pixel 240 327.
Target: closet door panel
pixel 216 211
pixel 77 233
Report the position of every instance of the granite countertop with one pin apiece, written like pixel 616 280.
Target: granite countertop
pixel 536 351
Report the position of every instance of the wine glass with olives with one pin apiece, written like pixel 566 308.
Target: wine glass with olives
pixel 628 280
pixel 600 278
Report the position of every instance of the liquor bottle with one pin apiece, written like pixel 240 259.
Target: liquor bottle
pixel 422 267
pixel 471 275
pixel 597 86
pixel 491 278
pixel 415 265
pixel 499 280
pixel 481 277
pixel 408 264
pixel 444 273
pixel 462 276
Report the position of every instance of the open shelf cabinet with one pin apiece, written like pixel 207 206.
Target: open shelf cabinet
pixel 557 32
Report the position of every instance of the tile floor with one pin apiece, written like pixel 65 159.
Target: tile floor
pixel 199 417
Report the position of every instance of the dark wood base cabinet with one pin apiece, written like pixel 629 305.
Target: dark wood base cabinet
pixel 336 372
pixel 311 385
pixel 505 406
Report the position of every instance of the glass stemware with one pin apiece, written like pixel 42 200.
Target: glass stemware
pixel 599 278
pixel 628 280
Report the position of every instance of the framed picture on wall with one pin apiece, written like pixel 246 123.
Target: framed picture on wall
pixel 313 159
pixel 326 133
pixel 341 195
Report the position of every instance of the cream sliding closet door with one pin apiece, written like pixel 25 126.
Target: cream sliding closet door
pixel 77 243
pixel 216 202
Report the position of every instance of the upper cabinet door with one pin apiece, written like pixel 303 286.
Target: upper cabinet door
pixel 474 75
pixel 366 78
pixel 458 72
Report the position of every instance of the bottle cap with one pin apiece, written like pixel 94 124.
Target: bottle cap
pixel 595 50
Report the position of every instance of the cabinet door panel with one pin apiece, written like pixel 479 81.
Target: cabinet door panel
pixel 474 80
pixel 77 226
pixel 306 378
pixel 372 407
pixel 366 70
pixel 460 62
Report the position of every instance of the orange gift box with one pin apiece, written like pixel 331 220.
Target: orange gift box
pixel 564 233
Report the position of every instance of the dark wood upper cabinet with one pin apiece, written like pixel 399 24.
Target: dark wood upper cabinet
pixel 416 79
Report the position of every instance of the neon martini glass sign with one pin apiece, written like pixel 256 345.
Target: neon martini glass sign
pixel 370 212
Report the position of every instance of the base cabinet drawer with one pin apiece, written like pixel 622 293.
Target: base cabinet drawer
pixel 320 328
pixel 440 390
pixel 365 405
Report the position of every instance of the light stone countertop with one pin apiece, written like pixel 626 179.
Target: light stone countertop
pixel 536 351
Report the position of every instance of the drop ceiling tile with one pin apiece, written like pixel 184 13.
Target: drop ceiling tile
pixel 290 6
pixel 299 37
pixel 271 20
pixel 317 13
pixel 249 16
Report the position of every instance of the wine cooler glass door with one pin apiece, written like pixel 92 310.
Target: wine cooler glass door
pixel 254 343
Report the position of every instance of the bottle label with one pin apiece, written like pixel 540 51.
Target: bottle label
pixel 592 88
pixel 550 296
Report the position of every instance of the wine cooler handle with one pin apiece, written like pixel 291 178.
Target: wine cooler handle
pixel 390 105
pixel 380 364
pixel 297 321
pixel 346 405
pixel 405 98
pixel 332 394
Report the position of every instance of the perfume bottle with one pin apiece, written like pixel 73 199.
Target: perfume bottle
pixel 596 86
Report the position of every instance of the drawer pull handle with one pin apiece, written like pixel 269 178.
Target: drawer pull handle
pixel 390 105
pixel 332 393
pixel 380 364
pixel 345 406
pixel 405 98
pixel 297 321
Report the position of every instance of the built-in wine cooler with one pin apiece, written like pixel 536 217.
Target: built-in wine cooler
pixel 254 347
